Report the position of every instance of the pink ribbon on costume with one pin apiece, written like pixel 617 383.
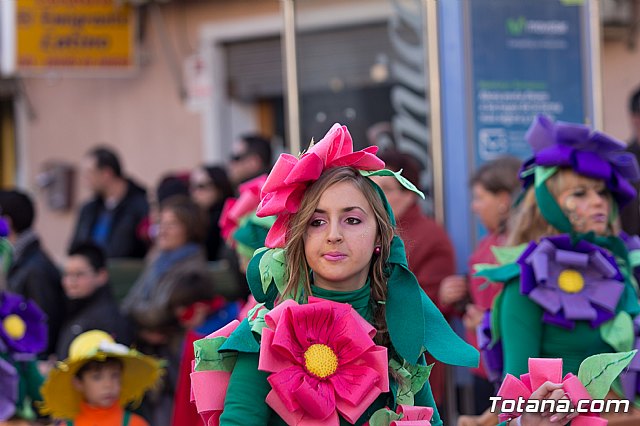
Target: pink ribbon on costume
pixel 413 416
pixel 235 209
pixel 209 399
pixel 542 370
pixel 286 184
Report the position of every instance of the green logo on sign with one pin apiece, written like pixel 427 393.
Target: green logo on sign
pixel 515 26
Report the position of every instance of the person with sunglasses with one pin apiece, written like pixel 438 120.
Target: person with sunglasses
pixel 250 157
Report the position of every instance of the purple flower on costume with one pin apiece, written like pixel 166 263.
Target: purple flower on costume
pixel 589 153
pixel 570 282
pixel 8 389
pixel 492 356
pixel 23 329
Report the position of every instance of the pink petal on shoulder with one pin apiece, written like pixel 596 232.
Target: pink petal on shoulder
pixel 209 399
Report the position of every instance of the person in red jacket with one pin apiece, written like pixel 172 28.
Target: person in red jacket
pixel 429 250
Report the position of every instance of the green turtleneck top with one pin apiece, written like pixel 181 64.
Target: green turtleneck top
pixel 248 387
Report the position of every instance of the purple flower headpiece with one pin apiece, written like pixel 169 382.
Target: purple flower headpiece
pixel 589 153
pixel 571 282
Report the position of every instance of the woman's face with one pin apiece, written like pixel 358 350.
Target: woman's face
pixel 492 209
pixel 586 203
pixel 340 238
pixel 171 232
pixel 203 191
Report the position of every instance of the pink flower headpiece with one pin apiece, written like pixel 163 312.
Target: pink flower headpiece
pixel 286 184
pixel 235 209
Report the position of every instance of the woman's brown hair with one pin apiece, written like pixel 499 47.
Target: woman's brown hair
pixel 190 216
pixel 298 277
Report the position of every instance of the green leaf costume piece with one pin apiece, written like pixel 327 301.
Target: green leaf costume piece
pixel 598 372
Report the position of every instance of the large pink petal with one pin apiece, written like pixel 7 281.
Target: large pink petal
pixel 320 322
pixel 309 168
pixel 273 360
pixel 272 318
pixel 337 142
pixel 276 235
pixel 277 202
pixel 285 382
pixel 353 382
pixel 316 398
pixel 377 359
pixel 285 340
pixel 349 339
pixel 362 160
pixel 279 172
pixel 209 399
pixel 353 412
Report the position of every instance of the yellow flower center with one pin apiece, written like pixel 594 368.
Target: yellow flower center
pixel 570 281
pixel 320 360
pixel 14 326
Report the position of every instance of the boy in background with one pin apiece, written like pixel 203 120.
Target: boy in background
pixel 96 382
pixel 91 304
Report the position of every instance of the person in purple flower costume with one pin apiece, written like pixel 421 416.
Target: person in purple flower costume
pixel 23 334
pixel 569 289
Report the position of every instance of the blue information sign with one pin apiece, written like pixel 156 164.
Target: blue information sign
pixel 527 57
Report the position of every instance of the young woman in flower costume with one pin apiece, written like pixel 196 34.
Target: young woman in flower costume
pixel 569 289
pixel 341 326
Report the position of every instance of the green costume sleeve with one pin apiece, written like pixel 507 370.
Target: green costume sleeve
pixel 246 394
pixel 424 398
pixel 521 329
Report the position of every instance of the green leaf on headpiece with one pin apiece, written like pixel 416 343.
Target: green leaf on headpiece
pixel 265 270
pixel 618 333
pixel 598 371
pixel 273 268
pixel 401 179
pixel 510 254
pixel 543 173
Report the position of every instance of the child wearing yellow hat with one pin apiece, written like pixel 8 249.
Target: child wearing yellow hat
pixel 97 380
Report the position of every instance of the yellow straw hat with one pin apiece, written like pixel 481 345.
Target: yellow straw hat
pixel 62 400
